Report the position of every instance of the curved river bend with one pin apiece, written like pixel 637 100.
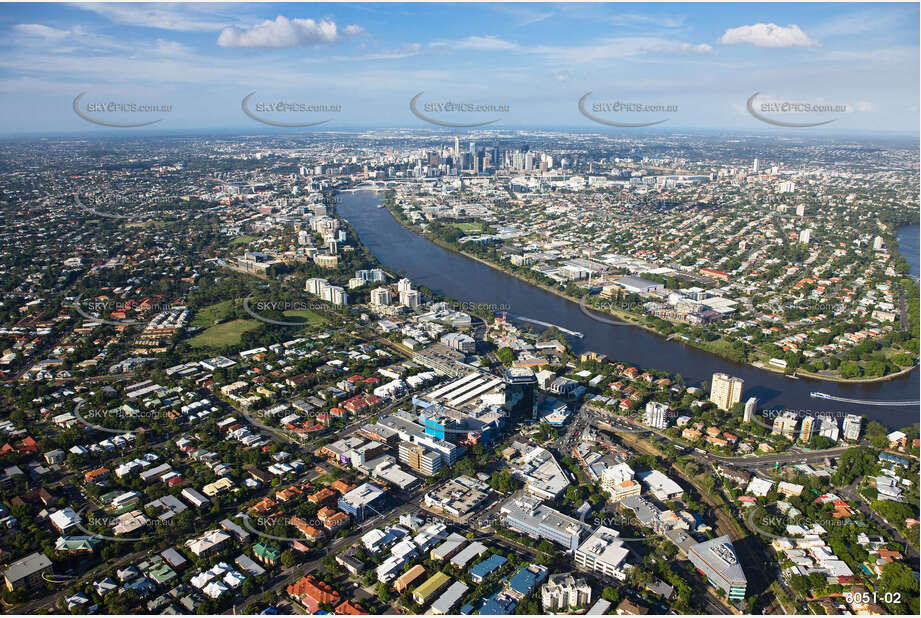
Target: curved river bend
pixel 465 279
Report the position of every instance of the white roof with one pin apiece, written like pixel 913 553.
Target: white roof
pixel 759 486
pixel 659 484
pixel 65 518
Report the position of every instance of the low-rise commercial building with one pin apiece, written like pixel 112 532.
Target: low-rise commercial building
pixel 604 552
pixel 529 516
pixel 459 496
pixel 364 498
pixel 27 572
pixel 716 559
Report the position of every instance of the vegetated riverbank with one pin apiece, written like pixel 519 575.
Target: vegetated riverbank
pixel 717 347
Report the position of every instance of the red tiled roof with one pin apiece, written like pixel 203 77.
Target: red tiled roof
pixel 347 608
pixel 307 586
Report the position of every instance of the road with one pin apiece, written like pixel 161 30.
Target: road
pixel 758 461
pixel 49 602
pixel 852 495
pixel 565 443
pixel 292 574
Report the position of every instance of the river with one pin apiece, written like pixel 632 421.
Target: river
pixel 910 247
pixel 464 279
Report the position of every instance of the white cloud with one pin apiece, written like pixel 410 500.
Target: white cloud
pixel 47 32
pixel 700 48
pixel 858 23
pixel 69 41
pixel 561 76
pixel 178 17
pixel 623 47
pixel 482 42
pixel 522 15
pixel 285 33
pixel 404 51
pixel 170 48
pixel 638 19
pixel 768 35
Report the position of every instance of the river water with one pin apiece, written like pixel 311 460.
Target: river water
pixel 910 247
pixel 464 279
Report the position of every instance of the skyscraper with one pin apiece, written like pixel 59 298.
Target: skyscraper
pixel 725 391
pixel 381 297
pixel 410 298
pixel 750 406
pixel 456 146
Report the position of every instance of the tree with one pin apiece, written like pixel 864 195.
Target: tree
pixel 875 369
pixel 505 355
pixel 876 434
pixel 800 585
pixel 610 594
pixel 898 577
pixel 382 592
pixel 849 369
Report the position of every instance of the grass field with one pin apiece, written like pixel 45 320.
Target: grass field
pixel 311 317
pixel 242 240
pixel 468 227
pixel 211 314
pixel 225 334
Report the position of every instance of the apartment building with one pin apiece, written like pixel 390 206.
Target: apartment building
pixel 725 390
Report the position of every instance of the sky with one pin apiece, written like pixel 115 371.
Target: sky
pixel 697 64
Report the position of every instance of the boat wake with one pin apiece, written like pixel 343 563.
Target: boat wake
pixel 863 402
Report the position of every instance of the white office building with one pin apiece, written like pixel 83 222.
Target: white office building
pixel 660 485
pixel 604 552
pixel 618 482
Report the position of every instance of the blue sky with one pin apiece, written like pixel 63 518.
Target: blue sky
pixel 537 59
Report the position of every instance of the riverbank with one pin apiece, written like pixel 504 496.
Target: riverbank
pixel 627 318
pixel 804 373
pixel 891 376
